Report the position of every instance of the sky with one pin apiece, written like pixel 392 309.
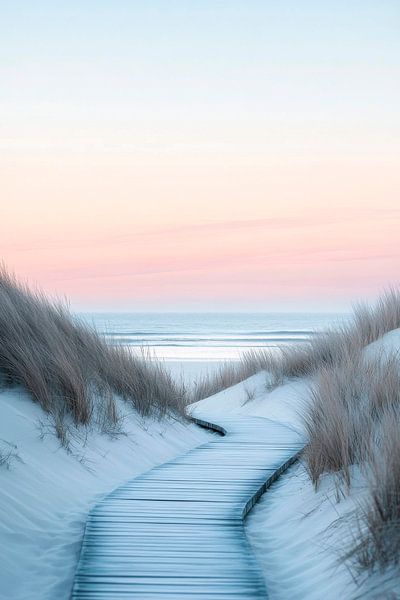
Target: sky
pixel 201 155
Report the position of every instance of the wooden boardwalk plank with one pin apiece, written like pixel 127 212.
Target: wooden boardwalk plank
pixel 177 530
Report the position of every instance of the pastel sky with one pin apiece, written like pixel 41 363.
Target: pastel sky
pixel 201 155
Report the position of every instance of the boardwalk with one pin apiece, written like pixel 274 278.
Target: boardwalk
pixel 177 532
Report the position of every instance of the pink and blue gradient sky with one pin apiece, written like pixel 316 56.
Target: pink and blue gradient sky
pixel 213 155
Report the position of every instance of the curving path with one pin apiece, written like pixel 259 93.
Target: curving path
pixel 176 532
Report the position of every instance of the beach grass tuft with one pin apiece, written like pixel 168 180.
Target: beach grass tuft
pixel 69 368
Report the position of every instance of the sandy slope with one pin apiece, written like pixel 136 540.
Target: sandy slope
pixel 46 494
pixel 283 404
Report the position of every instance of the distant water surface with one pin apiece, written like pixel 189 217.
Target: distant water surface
pixel 208 337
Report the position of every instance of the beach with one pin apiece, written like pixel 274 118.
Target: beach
pixel 102 415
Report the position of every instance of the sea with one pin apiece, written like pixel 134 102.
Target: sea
pixel 192 344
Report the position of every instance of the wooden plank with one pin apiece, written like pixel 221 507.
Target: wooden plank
pixel 177 530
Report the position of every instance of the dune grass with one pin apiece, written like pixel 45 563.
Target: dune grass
pixel 377 545
pixel 354 419
pixel 70 370
pixel 347 413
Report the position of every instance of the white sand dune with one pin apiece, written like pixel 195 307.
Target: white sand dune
pixel 46 493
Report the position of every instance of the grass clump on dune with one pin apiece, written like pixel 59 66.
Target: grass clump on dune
pixel 69 369
pixel 354 419
pixel 377 545
pixel 348 413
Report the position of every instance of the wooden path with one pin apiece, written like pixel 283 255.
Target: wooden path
pixel 176 532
